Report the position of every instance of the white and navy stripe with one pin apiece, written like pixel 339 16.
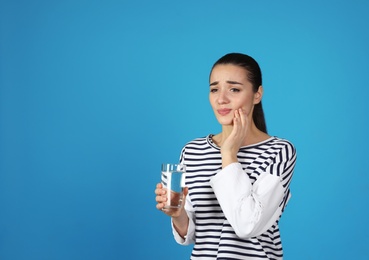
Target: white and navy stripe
pixel 214 236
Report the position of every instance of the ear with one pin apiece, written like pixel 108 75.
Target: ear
pixel 258 95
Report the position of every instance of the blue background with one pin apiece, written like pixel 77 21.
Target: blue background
pixel 95 95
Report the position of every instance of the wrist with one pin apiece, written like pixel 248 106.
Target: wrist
pixel 228 159
pixel 180 224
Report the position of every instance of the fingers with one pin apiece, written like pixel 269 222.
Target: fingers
pixel 160 206
pixel 161 200
pixel 160 196
pixel 239 121
pixel 236 138
pixel 236 121
pixel 185 192
pixel 241 118
pixel 158 186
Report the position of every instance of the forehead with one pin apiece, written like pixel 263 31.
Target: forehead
pixel 228 72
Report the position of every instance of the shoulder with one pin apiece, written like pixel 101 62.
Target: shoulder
pixel 275 146
pixel 200 141
pixel 285 149
pixel 281 142
pixel 199 145
pixel 272 143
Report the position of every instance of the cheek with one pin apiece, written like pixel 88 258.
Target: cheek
pixel 248 107
pixel 249 110
pixel 211 101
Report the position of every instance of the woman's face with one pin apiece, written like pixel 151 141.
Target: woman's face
pixel 230 90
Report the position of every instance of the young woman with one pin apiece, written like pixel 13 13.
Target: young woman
pixel 237 181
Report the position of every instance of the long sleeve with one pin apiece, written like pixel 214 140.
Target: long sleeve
pixel 251 209
pixel 229 208
pixel 190 237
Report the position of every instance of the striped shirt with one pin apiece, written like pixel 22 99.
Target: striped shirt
pixel 234 212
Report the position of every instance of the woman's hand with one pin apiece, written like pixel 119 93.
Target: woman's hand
pixel 161 199
pixel 234 141
pixel 179 216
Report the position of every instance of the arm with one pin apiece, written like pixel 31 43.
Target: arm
pixel 183 226
pixel 253 209
pixel 185 236
pixel 182 219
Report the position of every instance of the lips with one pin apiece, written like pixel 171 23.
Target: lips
pixel 224 111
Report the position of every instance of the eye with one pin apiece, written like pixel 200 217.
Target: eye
pixel 213 90
pixel 235 90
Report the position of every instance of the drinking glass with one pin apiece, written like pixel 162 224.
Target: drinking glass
pixel 173 180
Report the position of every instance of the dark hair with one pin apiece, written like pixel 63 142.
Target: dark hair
pixel 253 75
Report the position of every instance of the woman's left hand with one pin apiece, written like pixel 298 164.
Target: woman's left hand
pixel 234 141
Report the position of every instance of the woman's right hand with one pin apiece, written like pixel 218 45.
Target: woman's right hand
pixel 179 216
pixel 161 199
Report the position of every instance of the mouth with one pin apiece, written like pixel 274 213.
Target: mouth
pixel 224 111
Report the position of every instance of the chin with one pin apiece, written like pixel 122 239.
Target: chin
pixel 224 121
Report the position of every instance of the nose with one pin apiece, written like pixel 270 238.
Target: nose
pixel 222 98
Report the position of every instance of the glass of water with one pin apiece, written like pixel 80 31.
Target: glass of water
pixel 173 180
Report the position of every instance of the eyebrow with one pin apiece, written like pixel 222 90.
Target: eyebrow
pixel 228 81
